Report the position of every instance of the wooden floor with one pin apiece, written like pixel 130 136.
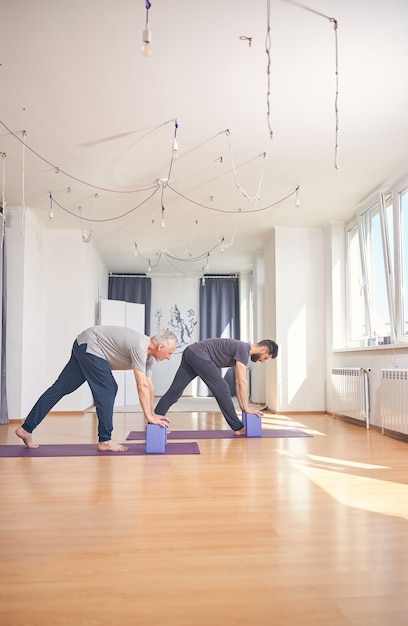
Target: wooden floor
pixel 252 532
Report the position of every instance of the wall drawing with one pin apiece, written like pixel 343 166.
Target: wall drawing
pixel 182 326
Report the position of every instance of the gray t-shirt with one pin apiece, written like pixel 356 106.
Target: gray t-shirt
pixel 123 348
pixel 222 352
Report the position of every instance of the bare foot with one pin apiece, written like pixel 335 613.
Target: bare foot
pixel 26 437
pixel 240 433
pixel 103 446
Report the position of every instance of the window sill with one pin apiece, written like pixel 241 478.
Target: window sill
pixel 387 346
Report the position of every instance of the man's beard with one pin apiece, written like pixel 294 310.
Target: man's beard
pixel 254 358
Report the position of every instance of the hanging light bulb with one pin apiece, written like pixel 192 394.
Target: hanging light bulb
pixel 175 144
pixel 297 201
pixel 51 213
pixel 147 35
pixel 163 224
pixel 147 38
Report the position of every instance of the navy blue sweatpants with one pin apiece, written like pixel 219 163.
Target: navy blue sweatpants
pixel 80 368
pixel 191 366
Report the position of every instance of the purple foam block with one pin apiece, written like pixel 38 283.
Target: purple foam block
pixel 253 424
pixel 156 439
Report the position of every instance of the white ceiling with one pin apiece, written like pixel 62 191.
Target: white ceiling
pixel 73 78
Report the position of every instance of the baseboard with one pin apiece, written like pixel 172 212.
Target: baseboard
pixel 395 435
pixel 51 413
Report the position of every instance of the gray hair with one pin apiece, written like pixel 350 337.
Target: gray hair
pixel 165 337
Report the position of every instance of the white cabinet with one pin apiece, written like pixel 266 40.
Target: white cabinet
pixel 131 315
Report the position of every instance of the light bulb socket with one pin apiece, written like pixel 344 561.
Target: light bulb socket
pixel 147 37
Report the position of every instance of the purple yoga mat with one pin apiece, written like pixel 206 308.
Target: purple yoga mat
pixel 219 434
pixel 89 449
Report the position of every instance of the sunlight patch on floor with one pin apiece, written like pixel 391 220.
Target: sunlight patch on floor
pixel 360 492
pixel 325 459
pixel 280 422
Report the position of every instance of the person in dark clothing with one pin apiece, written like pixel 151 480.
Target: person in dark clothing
pixel 204 358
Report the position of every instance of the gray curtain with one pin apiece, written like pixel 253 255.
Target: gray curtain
pixel 3 290
pixel 219 316
pixel 132 288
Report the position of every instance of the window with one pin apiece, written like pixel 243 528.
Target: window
pixel 356 292
pixel 371 282
pixel 374 248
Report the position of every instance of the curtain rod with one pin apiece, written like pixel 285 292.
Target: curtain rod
pixel 219 276
pixel 198 277
pixel 128 275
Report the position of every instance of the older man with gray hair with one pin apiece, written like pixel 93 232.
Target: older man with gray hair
pixel 95 353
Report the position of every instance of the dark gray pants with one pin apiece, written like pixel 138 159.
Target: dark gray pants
pixel 191 366
pixel 80 368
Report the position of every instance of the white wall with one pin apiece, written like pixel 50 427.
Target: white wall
pixel 16 236
pixel 71 281
pixel 54 282
pixel 245 314
pixel 270 331
pixel 168 292
pixel 335 295
pixel 258 380
pixel 300 334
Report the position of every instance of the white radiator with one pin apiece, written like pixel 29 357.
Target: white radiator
pixel 394 400
pixel 351 396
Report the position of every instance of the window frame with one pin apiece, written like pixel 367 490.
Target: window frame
pixel 401 336
pixel 362 221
